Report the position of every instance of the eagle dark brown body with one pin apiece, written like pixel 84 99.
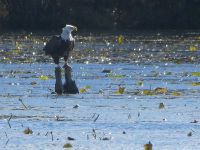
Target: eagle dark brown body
pixel 57 48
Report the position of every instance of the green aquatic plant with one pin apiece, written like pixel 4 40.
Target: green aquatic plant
pixel 120 90
pixel 161 105
pixel 148 92
pixel 140 83
pixel 160 90
pixel 115 76
pixel 176 93
pixel 67 145
pixel 28 131
pixel 196 84
pixel 42 77
pixel 196 74
pixel 193 48
pixel 120 39
pixel 85 89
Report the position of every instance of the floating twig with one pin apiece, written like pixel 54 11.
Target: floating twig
pixel 129 116
pixel 51 135
pixel 70 138
pixel 138 114
pixel 46 133
pixel 94 114
pixel 6 143
pixel 94 133
pixel 9 120
pixel 6 134
pixel 23 103
pixel 96 118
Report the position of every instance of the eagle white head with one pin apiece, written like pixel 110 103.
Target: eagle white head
pixel 66 32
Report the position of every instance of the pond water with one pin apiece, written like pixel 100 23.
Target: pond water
pixel 134 88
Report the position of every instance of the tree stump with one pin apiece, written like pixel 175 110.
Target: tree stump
pixel 69 86
pixel 58 85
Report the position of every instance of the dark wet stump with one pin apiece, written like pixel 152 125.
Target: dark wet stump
pixel 58 85
pixel 69 86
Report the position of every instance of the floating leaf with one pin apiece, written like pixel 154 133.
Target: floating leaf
pixel 140 83
pixel 28 131
pixel 197 74
pixel 120 90
pixel 178 61
pixel 113 75
pixel 120 39
pixel 83 90
pixel 161 106
pixel 42 77
pixel 67 145
pixel 196 84
pixel 147 92
pixel 175 93
pixel 136 92
pixel 193 48
pixel 161 90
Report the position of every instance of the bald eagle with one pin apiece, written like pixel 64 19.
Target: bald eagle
pixel 61 46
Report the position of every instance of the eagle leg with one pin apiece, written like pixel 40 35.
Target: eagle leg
pixel 66 64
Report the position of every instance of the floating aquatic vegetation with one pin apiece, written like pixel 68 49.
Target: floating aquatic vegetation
pixel 67 145
pixel 136 92
pixel 160 90
pixel 140 83
pixel 196 84
pixel 176 93
pixel 82 90
pixel 193 48
pixel 115 76
pixel 85 89
pixel 120 90
pixel 76 106
pixel 161 105
pixel 42 77
pixel 197 74
pixel 147 92
pixel 120 39
pixel 28 131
